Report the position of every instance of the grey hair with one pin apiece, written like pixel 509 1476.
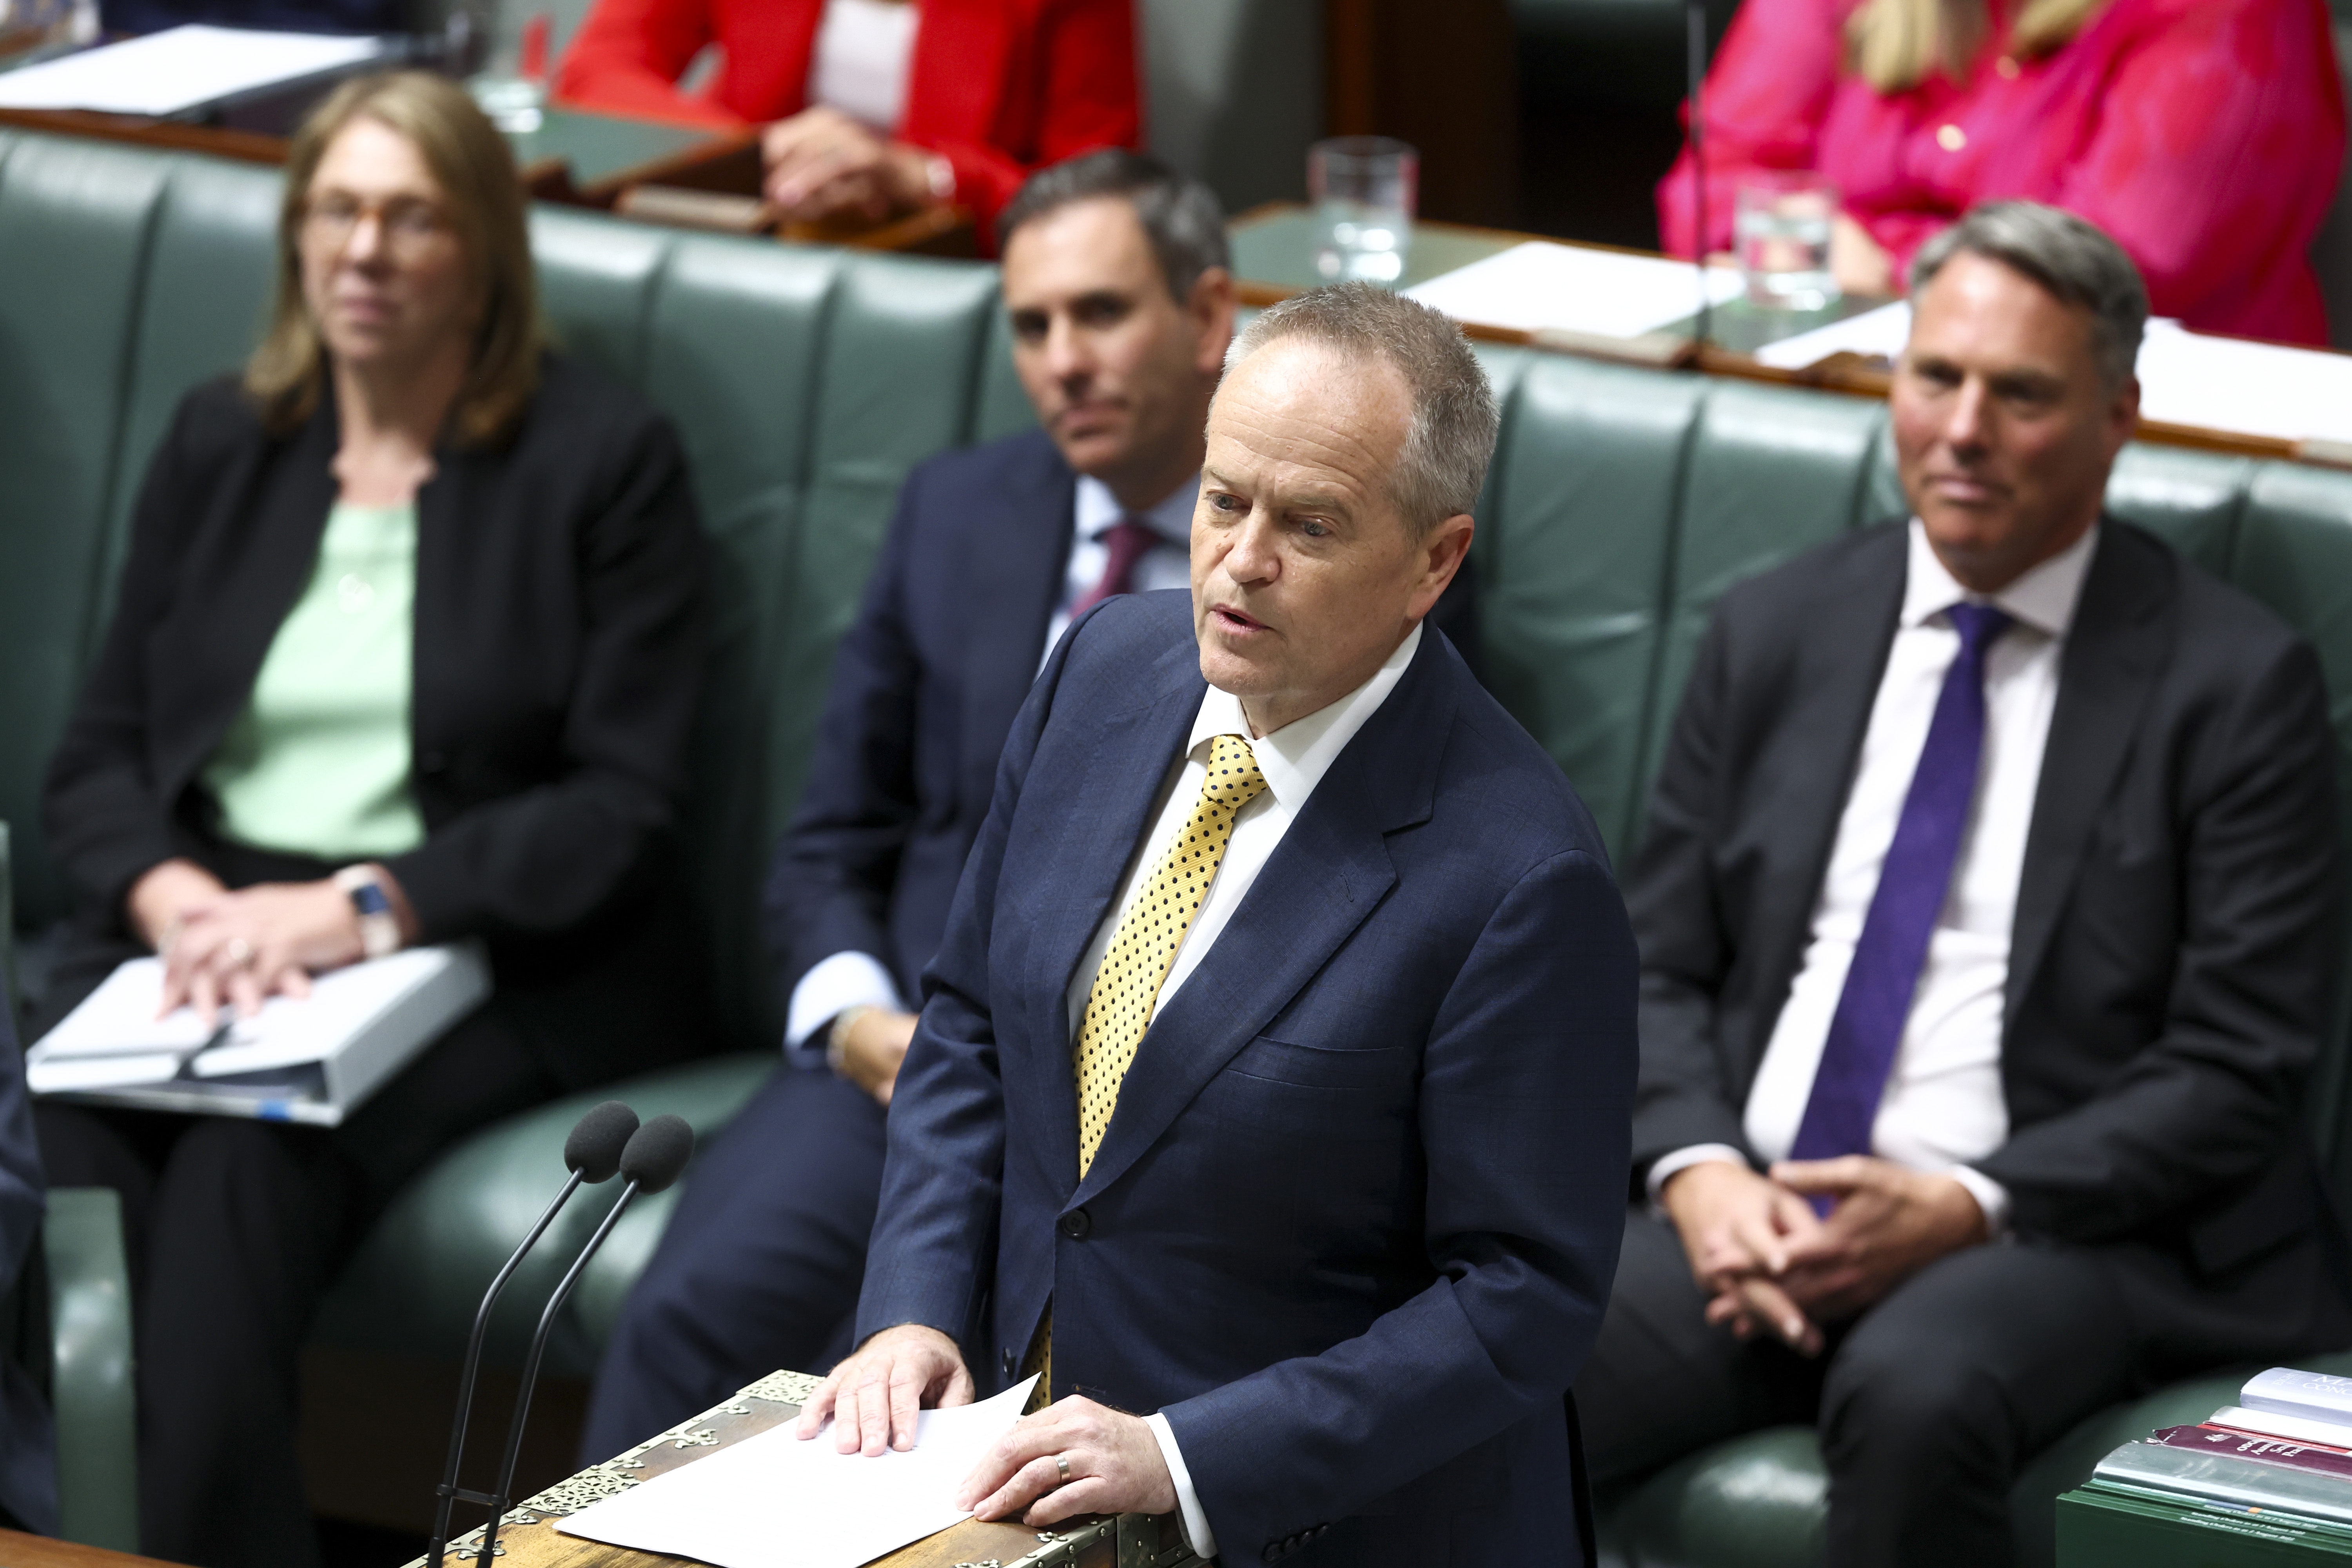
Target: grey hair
pixel 1180 216
pixel 1443 465
pixel 2074 261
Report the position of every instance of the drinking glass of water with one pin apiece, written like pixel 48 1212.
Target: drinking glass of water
pixel 1780 230
pixel 1364 190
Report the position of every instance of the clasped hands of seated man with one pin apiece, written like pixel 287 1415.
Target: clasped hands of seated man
pixel 1766 1261
pixel 238 949
pixel 1073 1457
pixel 821 164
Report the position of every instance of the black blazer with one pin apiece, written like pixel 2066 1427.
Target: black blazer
pixel 558 649
pixel 2171 961
pixel 925 688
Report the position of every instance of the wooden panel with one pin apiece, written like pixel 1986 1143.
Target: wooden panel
pixel 1441 77
pixel 39 1552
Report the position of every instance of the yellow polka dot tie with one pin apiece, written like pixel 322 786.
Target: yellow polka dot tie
pixel 1142 951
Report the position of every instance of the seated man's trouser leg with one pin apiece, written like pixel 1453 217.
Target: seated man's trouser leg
pixel 759 1267
pixel 1929 1404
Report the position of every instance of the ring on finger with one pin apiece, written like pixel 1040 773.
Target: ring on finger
pixel 1062 1463
pixel 239 952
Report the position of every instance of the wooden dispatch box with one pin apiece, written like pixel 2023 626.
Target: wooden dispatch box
pixel 528 1538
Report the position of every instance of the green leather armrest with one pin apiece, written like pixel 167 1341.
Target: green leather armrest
pixel 1762 1501
pixel 90 1377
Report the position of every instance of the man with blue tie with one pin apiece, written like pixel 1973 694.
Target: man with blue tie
pixel 1121 307
pixel 1987 918
pixel 1269 1100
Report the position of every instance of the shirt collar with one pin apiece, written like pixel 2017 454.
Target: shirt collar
pixel 1295 758
pixel 1170 518
pixel 2044 598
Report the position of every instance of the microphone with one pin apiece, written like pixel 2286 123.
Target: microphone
pixel 598 1144
pixel 655 1156
pixel 1694 22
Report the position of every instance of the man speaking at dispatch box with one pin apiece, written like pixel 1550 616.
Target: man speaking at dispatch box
pixel 1275 1074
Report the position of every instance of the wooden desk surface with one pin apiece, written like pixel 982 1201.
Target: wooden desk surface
pixel 39 1552
pixel 531 1541
pixel 1273 257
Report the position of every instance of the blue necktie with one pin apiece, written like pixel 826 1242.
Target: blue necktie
pixel 1868 1025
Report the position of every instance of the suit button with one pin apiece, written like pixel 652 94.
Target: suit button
pixel 1009 1362
pixel 1077 1224
pixel 1272 1553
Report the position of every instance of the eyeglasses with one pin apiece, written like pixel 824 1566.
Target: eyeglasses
pixel 407 225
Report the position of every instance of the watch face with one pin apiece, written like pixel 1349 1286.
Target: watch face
pixel 369 899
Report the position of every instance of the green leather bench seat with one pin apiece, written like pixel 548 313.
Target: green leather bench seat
pixel 1623 502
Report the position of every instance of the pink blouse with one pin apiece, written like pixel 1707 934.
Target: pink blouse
pixel 2204 135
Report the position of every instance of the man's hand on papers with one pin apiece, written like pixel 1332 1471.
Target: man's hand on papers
pixel 1889 1223
pixel 874 1395
pixel 1739 1231
pixel 1114 1463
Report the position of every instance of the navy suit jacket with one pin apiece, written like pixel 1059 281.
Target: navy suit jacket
pixel 1354 1221
pixel 925 688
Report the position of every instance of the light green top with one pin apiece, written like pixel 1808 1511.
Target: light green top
pixel 317 761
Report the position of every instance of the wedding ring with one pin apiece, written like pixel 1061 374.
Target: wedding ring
pixel 1063 1466
pixel 239 953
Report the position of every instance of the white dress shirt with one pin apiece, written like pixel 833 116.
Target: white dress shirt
pixel 864 50
pixel 852 979
pixel 1943 1106
pixel 1294 759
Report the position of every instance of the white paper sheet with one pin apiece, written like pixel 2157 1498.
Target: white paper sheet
pixel 773 1502
pixel 1565 287
pixel 171 71
pixel 2256 389
pixel 2185 377
pixel 1882 332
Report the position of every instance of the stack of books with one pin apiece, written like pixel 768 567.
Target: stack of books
pixel 2266 1479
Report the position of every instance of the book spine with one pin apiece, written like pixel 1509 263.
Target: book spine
pixel 2269 1450
pixel 2317 1395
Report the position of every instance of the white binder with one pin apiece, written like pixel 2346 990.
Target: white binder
pixel 314 1059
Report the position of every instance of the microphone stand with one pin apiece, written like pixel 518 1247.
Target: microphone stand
pixel 449 1492
pixel 498 1500
pixel 1694 22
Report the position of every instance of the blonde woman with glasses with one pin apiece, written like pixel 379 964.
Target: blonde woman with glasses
pixel 406 649
pixel 2204 135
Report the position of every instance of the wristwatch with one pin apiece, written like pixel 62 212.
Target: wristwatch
pixel 379 927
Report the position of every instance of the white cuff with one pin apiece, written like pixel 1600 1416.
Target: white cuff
pixel 1197 1534
pixel 1667 1166
pixel 847 979
pixel 1990 1197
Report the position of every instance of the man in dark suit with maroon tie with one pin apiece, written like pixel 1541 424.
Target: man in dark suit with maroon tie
pixel 1988 928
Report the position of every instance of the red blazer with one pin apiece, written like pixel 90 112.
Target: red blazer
pixel 999 88
pixel 2204 135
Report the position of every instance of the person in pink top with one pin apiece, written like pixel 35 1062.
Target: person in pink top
pixel 2204 135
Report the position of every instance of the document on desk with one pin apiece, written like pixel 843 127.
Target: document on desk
pixel 1539 287
pixel 774 1502
pixel 179 69
pixel 1873 334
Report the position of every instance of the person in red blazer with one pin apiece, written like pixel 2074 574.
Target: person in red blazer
pixel 2204 135
pixel 994 90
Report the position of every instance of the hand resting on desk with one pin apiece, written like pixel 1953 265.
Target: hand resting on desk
pixel 1115 1464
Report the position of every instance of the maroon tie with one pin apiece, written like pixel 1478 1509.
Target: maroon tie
pixel 1127 540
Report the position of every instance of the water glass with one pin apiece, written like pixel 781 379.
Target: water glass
pixel 1780 231
pixel 1364 189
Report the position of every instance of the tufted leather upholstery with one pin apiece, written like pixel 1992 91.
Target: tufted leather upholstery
pixel 1621 503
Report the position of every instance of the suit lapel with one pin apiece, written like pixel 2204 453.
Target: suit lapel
pixel 1832 688
pixel 1099 817
pixel 1013 567
pixel 2113 652
pixel 1332 868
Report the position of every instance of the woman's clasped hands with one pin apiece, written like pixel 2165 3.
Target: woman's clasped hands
pixel 238 949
